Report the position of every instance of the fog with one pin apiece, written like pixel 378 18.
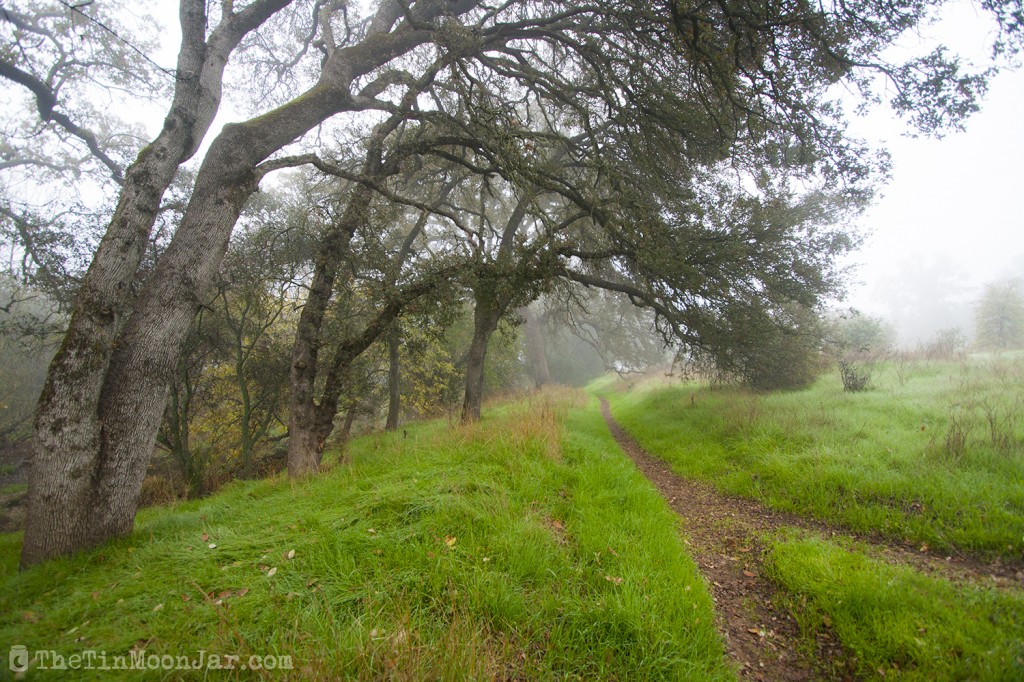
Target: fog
pixel 949 221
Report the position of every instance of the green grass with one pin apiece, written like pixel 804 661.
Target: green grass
pixel 898 623
pixel 512 549
pixel 933 454
pixel 13 489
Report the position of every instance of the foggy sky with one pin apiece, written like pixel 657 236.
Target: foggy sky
pixel 950 220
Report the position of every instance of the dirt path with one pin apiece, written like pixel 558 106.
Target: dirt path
pixel 724 534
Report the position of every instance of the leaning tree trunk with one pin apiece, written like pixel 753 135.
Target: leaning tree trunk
pixel 304 446
pixel 68 435
pixel 310 423
pixel 486 314
pixel 88 473
pixel 394 379
pixel 86 492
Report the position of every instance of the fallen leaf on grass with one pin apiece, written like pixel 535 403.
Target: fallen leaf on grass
pixel 272 571
pixel 206 537
pixel 613 579
pixel 158 607
pixel 449 540
pixel 213 545
pixel 290 555
pixel 750 574
pixel 558 525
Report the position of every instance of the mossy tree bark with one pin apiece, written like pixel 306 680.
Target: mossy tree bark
pixel 105 394
pixel 70 430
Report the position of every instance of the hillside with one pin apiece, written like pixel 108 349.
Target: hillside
pixel 813 534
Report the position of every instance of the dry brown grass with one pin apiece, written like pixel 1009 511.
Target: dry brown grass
pixel 536 419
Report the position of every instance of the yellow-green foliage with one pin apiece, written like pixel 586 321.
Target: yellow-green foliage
pixel 429 372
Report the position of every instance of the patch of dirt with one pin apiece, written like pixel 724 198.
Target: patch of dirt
pixel 724 536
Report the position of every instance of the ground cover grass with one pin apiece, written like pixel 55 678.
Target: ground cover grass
pixel 933 453
pixel 898 623
pixel 524 547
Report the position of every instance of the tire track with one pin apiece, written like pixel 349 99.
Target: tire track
pixel 725 533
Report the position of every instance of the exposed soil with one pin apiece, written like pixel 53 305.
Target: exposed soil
pixel 724 534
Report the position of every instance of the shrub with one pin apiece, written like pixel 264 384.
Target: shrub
pixel 855 378
pixel 948 344
pixel 764 350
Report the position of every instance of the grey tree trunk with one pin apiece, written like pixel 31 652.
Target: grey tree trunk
pixel 486 315
pixel 304 447
pixel 101 409
pixel 533 336
pixel 69 430
pixel 394 379
pixel 350 418
pixel 312 423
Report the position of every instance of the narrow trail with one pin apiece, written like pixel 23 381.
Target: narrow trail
pixel 725 534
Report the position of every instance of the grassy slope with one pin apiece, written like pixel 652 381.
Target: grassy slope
pixel 863 460
pixel 875 461
pixel 899 623
pixel 450 554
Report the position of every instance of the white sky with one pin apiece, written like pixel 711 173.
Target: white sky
pixel 952 207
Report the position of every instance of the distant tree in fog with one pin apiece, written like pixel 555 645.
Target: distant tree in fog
pixel 999 316
pixel 861 336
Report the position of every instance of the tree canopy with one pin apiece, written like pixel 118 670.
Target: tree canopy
pixel 690 156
